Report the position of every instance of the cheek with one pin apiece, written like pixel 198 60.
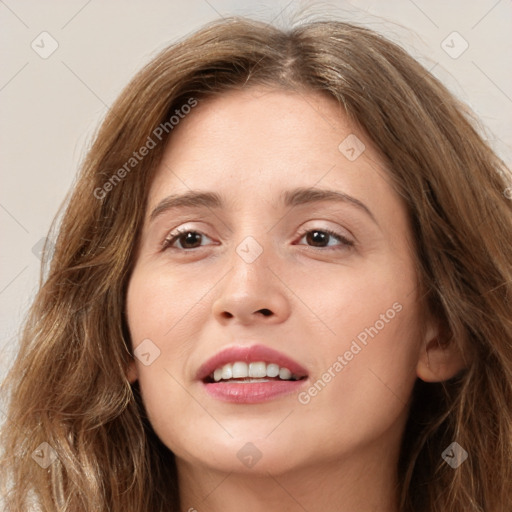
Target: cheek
pixel 165 310
pixel 163 317
pixel 369 352
pixel 365 392
pixel 346 300
pixel 164 306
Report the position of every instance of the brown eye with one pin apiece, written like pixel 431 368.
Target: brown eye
pixel 187 239
pixel 322 237
pixel 317 238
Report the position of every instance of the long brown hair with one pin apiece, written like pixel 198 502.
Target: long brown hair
pixel 68 386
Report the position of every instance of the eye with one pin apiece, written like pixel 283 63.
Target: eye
pixel 186 238
pixel 321 238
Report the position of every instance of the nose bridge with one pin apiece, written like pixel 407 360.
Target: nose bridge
pixel 250 275
pixel 250 291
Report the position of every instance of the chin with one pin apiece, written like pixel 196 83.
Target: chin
pixel 257 456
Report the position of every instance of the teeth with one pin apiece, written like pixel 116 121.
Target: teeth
pixel 285 374
pixel 251 372
pixel 272 370
pixel 227 371
pixel 257 370
pixel 240 370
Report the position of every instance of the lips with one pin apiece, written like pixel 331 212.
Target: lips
pixel 250 389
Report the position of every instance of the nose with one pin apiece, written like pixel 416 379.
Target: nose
pixel 251 293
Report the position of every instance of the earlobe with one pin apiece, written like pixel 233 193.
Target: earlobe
pixel 440 358
pixel 439 362
pixel 131 373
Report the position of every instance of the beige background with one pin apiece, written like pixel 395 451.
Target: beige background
pixel 51 106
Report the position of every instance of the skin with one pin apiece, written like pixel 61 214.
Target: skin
pixel 339 451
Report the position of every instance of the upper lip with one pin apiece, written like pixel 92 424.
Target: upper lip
pixel 250 354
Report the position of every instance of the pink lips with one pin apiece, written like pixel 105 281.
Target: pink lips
pixel 251 392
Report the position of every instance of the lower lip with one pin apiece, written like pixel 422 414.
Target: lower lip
pixel 252 392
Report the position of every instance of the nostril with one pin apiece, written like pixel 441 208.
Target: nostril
pixel 265 312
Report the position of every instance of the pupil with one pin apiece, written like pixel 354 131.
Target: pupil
pixel 190 238
pixel 317 237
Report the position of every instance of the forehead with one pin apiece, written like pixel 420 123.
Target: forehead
pixel 255 142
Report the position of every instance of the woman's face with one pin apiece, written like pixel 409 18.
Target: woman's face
pixel 295 252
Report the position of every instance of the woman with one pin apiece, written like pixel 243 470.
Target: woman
pixel 282 282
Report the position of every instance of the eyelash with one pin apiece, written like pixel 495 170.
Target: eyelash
pixel 175 235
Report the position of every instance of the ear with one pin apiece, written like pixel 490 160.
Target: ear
pixel 440 358
pixel 131 373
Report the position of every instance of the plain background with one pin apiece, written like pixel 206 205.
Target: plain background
pixel 51 107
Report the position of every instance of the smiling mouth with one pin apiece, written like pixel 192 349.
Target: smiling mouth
pixel 251 375
pixel 240 372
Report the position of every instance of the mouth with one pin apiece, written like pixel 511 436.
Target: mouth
pixel 250 374
pixel 258 371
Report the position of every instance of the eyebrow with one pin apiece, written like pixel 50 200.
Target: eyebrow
pixel 289 198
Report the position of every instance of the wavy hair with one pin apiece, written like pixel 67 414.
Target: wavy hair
pixel 68 386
